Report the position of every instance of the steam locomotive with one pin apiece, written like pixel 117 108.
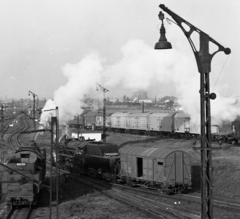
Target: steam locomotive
pixel 164 169
pixel 24 175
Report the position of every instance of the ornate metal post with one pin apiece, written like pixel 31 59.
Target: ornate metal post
pixel 203 59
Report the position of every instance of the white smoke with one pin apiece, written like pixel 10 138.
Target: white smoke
pixel 47 112
pixel 141 67
pixel 82 78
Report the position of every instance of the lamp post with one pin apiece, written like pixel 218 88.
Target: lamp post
pixel 34 96
pixel 203 59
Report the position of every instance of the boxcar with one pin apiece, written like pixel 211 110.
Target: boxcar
pixel 164 168
pixel 138 121
pixel 181 122
pixel 90 119
pixel 119 121
pixel 156 121
pixel 99 119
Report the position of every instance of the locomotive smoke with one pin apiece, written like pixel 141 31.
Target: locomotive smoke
pixel 141 67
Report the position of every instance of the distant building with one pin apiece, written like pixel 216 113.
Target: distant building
pixel 145 101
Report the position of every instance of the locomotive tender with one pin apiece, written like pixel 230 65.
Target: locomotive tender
pixel 23 179
pixel 168 170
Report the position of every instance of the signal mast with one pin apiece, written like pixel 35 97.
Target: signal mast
pixel 104 90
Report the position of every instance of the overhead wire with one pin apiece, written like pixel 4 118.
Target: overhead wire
pixel 221 71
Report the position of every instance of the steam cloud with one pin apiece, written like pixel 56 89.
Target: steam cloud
pixel 141 67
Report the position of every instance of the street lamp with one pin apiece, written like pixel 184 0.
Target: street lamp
pixel 203 59
pixel 162 43
pixel 34 96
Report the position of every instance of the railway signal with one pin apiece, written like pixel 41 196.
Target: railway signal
pixel 104 90
pixel 34 96
pixel 203 59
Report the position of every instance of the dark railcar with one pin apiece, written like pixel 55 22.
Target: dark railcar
pixel 96 159
pixel 101 156
pixel 90 119
pixel 22 189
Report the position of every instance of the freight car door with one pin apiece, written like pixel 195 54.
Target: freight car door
pixel 178 166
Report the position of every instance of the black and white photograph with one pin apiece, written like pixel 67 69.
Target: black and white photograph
pixel 119 109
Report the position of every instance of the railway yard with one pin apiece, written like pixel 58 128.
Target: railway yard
pixel 84 197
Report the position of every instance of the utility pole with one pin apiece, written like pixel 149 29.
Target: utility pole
pixel 54 174
pixel 2 132
pixel 104 90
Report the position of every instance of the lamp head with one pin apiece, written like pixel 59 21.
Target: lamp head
pixel 162 43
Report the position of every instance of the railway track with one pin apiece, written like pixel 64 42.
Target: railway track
pixel 218 202
pixel 13 139
pixel 155 209
pixel 185 199
pixel 19 213
pixel 178 204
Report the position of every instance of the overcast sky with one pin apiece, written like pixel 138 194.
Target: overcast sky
pixel 39 37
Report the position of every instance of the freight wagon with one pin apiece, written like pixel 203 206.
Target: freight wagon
pixel 169 170
pixel 99 119
pixel 90 119
pixel 119 121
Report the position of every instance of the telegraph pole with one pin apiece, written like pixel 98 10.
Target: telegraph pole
pixel 2 132
pixel 54 174
pixel 104 90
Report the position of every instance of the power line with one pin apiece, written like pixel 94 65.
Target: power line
pixel 221 71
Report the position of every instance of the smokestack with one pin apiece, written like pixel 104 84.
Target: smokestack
pixel 142 106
